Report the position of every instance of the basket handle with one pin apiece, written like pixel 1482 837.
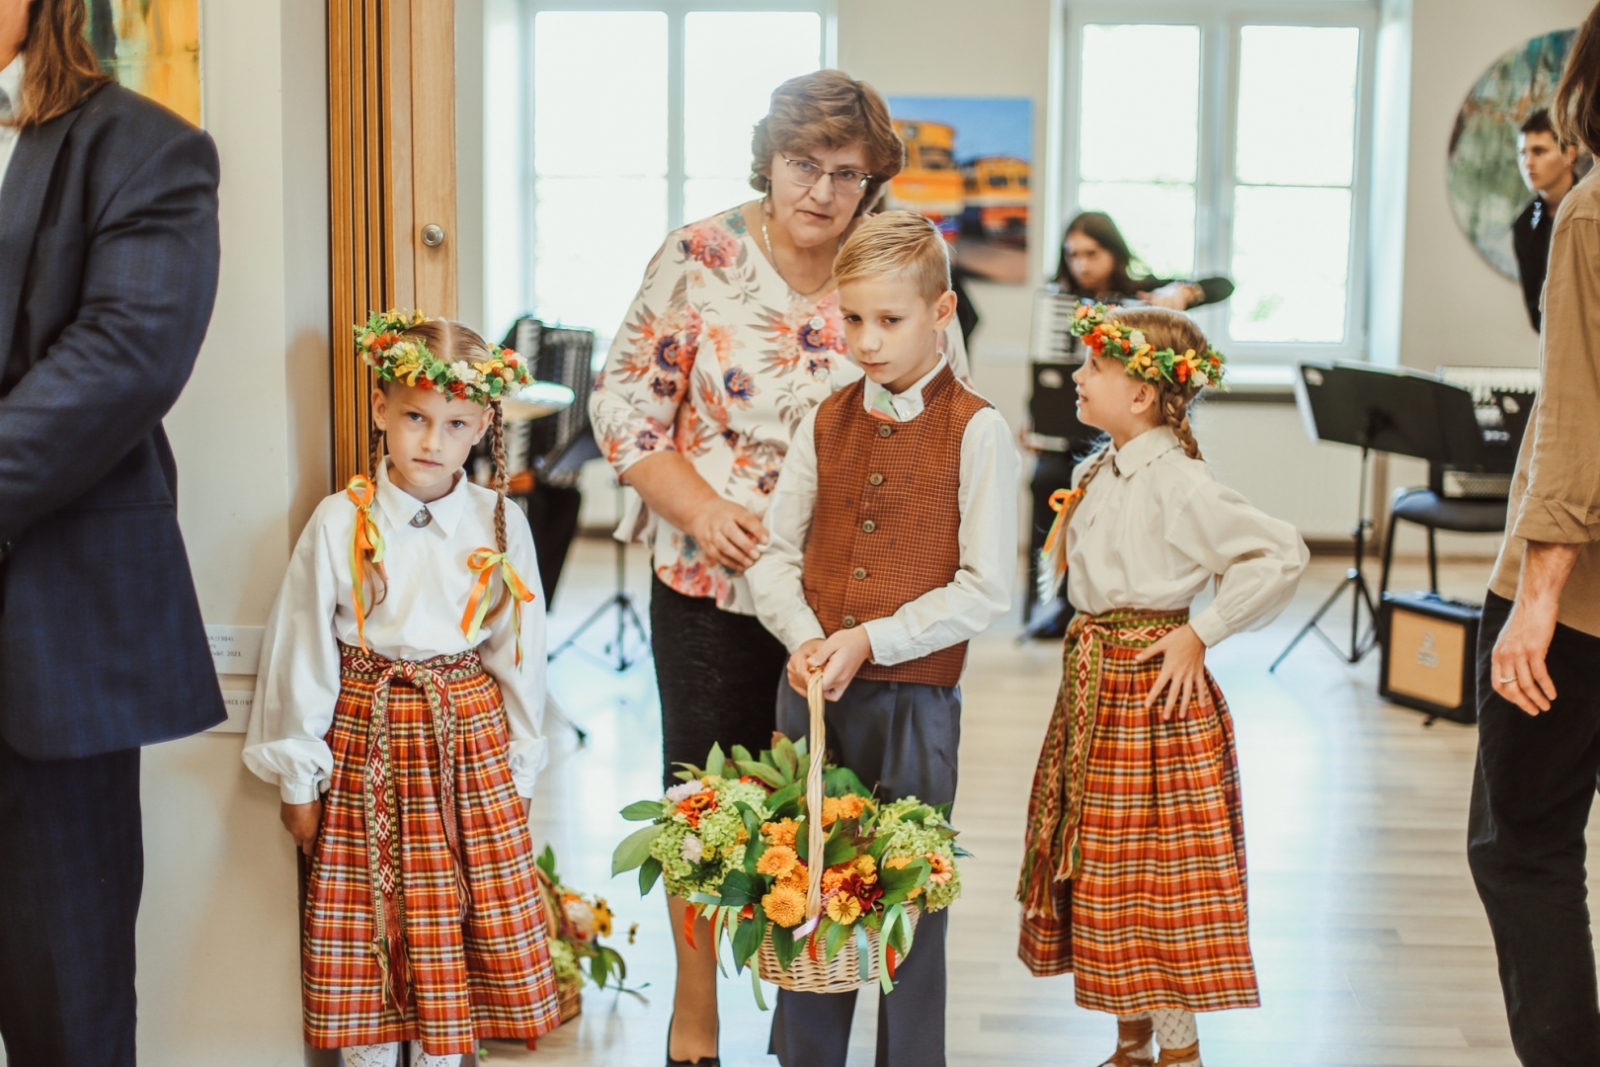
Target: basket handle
pixel 816 744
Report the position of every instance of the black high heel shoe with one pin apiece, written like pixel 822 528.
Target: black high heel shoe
pixel 704 1061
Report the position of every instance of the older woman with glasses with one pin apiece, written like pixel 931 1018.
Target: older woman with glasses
pixel 735 335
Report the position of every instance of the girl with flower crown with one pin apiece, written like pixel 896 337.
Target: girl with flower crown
pixel 398 709
pixel 1134 873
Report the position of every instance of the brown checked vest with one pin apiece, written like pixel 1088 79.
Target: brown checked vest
pixel 887 520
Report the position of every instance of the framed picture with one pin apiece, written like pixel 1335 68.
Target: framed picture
pixel 151 47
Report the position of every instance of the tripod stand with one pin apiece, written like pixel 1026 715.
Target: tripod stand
pixel 1355 580
pixel 620 602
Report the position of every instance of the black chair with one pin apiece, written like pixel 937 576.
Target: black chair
pixel 1429 508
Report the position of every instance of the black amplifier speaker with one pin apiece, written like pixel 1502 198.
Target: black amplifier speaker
pixel 1430 646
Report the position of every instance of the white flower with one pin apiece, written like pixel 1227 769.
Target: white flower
pixel 679 793
pixel 581 916
pixel 692 849
pixel 1136 339
pixel 465 373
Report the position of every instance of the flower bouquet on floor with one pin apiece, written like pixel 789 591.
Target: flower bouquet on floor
pixel 576 923
pixel 739 850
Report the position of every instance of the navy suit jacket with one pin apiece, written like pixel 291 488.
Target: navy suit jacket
pixel 108 272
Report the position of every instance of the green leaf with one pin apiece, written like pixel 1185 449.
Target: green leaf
pixel 761 771
pixel 840 847
pixel 837 934
pixel 747 940
pixel 738 890
pixel 752 854
pixel 689 772
pixel 786 758
pixel 547 864
pixel 789 794
pixel 943 810
pixel 715 762
pixel 649 871
pixel 634 850
pixel 801 747
pixel 785 946
pixel 837 781
pixel 740 754
pixel 642 811
pixel 904 878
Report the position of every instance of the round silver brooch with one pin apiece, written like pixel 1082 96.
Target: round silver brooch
pixel 422 518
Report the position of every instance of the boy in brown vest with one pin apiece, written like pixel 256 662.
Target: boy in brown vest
pixel 894 541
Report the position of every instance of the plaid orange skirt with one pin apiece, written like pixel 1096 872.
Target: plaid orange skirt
pixel 1135 875
pixel 422 917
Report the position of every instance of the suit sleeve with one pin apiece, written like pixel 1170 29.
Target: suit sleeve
pixel 150 279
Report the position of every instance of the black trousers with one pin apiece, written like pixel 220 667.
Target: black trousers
pixel 715 671
pixel 553 520
pixel 902 739
pixel 71 871
pixel 1531 794
pixel 1052 471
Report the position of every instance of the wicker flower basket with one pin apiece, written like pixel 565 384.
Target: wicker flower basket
pixel 570 999
pixel 843 973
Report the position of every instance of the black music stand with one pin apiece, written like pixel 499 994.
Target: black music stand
pixel 622 603
pixel 1377 411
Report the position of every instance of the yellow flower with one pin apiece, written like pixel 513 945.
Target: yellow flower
pixel 777 861
pixel 866 868
pixel 709 852
pixel 897 863
pixel 844 909
pixel 784 906
pixel 845 807
pixel 602 917
pixel 780 833
pixel 741 835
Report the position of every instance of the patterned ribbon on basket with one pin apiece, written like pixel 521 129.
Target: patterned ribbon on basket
pixel 1055 808
pixel 487 564
pixel 381 804
pixel 366 544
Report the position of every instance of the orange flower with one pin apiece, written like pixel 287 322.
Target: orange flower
pixel 797 878
pixel 942 869
pixel 693 807
pixel 897 863
pixel 780 833
pixel 845 807
pixel 777 861
pixel 834 877
pixel 784 906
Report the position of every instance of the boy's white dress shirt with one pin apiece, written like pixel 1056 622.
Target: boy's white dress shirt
pixel 419 618
pixel 981 590
pixel 1155 528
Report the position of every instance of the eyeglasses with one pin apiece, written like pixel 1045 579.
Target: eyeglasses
pixel 846 182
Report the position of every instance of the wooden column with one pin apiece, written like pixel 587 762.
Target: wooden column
pixel 391 173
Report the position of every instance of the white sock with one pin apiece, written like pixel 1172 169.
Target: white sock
pixel 371 1055
pixel 1175 1029
pixel 420 1058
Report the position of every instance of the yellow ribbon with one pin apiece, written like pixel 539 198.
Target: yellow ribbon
pixel 367 539
pixel 1061 502
pixel 483 562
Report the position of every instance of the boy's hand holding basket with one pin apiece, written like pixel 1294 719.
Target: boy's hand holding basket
pixel 740 850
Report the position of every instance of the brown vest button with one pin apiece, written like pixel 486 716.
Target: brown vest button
pixel 849 621
pixel 861 572
pixel 875 479
pixel 885 431
pixel 869 526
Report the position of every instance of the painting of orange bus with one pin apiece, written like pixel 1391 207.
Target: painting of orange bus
pixel 968 169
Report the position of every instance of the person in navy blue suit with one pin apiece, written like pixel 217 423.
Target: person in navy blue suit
pixel 108 272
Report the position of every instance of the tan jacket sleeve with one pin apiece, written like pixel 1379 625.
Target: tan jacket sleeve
pixel 1562 502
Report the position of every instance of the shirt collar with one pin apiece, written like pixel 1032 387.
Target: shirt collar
pixel 1143 450
pixel 11 86
pixel 400 507
pixel 898 407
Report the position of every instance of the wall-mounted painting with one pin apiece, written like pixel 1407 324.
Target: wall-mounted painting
pixel 1486 188
pixel 152 47
pixel 969 162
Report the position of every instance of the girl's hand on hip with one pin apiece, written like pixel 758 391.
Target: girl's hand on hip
pixel 800 665
pixel 303 821
pixel 1183 671
pixel 839 658
pixel 729 535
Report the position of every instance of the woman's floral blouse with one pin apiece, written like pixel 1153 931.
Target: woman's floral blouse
pixel 720 360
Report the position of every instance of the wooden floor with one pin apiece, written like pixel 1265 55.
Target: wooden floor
pixel 1370 943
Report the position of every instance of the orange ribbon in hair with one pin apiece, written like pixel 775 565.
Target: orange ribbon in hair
pixel 487 563
pixel 1061 502
pixel 365 546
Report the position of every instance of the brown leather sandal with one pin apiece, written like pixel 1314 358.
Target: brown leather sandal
pixel 1134 1039
pixel 1172 1057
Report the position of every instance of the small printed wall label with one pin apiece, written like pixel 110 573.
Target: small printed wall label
pixel 238 703
pixel 235 649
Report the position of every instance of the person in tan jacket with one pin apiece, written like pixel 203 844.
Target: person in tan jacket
pixel 1539 645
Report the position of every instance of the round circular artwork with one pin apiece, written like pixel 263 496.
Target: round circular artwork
pixel 1486 188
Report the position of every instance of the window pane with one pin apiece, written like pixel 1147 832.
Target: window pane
pixel 600 93
pixel 1290 263
pixel 704 197
pixel 595 237
pixel 1157 220
pixel 1297 104
pixel 732 62
pixel 1141 103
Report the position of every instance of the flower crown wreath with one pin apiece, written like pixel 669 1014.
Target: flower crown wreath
pixel 394 357
pixel 1190 370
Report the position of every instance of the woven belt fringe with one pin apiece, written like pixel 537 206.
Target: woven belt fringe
pixel 381 804
pixel 1055 807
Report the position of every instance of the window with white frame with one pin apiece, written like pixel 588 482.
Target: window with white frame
pixel 1229 137
pixel 635 118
